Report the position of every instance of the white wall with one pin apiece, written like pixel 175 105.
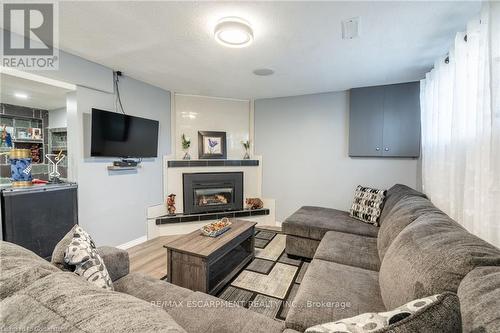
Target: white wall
pixel 202 113
pixel 303 141
pixel 113 204
pixel 58 118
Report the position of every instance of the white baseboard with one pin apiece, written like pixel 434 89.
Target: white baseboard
pixel 133 242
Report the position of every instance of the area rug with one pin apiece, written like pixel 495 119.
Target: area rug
pixel 268 284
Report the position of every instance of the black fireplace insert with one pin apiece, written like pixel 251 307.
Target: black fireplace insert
pixel 212 192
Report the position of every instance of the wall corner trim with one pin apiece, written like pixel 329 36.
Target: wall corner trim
pixel 132 243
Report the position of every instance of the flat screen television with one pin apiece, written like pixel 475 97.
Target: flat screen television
pixel 118 135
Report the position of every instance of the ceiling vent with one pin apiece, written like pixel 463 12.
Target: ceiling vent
pixel 263 71
pixel 350 28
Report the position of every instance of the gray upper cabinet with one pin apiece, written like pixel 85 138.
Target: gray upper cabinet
pixel 384 121
pixel 366 122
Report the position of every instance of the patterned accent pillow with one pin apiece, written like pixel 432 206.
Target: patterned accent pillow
pixel 59 251
pixel 438 313
pixel 367 204
pixel 82 254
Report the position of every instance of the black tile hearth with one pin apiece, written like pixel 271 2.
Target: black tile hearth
pixel 262 211
pixel 242 214
pixel 190 218
pixel 208 217
pixel 178 218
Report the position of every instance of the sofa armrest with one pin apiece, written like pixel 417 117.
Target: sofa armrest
pixel 116 261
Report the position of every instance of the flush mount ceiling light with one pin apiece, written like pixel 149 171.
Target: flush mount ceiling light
pixel 21 95
pixel 233 32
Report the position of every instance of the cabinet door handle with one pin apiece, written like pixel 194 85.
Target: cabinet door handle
pixel 377 149
pixel 386 148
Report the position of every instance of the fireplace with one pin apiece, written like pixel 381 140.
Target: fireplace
pixel 212 192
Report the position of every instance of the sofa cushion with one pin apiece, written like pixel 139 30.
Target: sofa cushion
pixel 330 291
pixel 367 204
pixel 315 222
pixel 431 256
pixel 393 195
pixel 437 313
pixel 349 249
pixel 19 268
pixel 300 246
pixel 479 294
pixel 158 292
pixel 58 254
pixel 116 260
pixel 200 312
pixel 64 300
pixel 403 213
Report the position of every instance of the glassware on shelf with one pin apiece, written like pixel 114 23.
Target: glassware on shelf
pixel 246 146
pixel 247 154
pixel 186 154
pixel 54 160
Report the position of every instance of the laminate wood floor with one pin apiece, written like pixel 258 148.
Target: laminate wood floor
pixel 150 257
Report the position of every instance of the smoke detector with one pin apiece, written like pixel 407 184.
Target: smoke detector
pixel 350 28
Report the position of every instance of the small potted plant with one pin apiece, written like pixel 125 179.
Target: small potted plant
pixel 246 145
pixel 186 144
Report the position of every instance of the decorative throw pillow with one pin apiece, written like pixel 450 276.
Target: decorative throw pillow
pixel 57 258
pixel 82 254
pixel 438 313
pixel 367 204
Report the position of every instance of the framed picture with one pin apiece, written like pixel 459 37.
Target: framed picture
pixel 36 133
pixel 212 145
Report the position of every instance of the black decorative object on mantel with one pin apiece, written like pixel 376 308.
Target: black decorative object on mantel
pixel 212 145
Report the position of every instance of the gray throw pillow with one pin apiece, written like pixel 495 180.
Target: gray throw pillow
pixel 367 204
pixel 82 254
pixel 438 313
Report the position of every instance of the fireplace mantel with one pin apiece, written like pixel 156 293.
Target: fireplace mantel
pixel 210 163
pixel 173 170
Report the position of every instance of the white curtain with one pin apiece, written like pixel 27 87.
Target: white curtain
pixel 460 105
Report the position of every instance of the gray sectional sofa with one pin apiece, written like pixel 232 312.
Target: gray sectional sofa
pixel 356 268
pixel 36 296
pixel 417 251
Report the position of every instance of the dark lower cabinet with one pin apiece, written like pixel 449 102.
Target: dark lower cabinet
pixel 38 217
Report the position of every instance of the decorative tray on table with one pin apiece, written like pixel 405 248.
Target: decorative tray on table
pixel 216 228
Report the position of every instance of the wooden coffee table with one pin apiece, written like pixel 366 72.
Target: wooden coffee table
pixel 206 264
